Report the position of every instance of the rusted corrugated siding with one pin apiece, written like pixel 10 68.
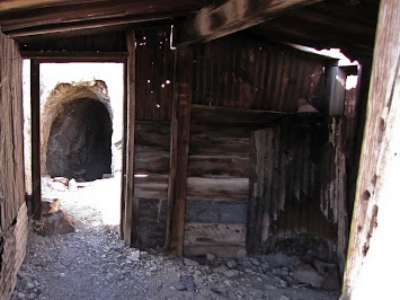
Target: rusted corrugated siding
pixel 154 74
pixel 245 73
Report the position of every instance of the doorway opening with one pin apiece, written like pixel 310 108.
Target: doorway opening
pixel 81 132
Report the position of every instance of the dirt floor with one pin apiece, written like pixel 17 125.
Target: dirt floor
pixel 93 263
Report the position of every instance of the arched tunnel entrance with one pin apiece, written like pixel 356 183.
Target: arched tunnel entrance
pixel 77 131
pixel 79 144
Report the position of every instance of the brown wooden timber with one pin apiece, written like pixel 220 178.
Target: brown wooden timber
pixel 131 204
pixel 64 57
pixel 180 134
pixel 12 179
pixel 211 23
pixel 35 140
pixel 378 153
pixel 124 140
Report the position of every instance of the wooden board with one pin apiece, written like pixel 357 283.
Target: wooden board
pixel 219 141
pixel 217 189
pixel 180 136
pixel 220 239
pixel 152 147
pixel 218 167
pixel 12 180
pixel 215 212
pixel 152 187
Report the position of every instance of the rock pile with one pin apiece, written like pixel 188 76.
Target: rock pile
pixel 93 263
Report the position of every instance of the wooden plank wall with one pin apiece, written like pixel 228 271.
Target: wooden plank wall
pixel 217 182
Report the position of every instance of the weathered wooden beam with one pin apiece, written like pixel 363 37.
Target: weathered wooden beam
pixel 131 230
pixel 62 57
pixel 211 23
pixel 35 140
pixel 7 5
pixel 180 134
pixel 374 242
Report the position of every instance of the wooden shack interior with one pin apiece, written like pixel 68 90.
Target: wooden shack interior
pixel 246 143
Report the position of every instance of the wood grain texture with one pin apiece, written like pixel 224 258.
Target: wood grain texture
pixel 12 181
pixel 180 137
pixel 220 239
pixel 131 230
pixel 379 151
pixel 214 22
pixel 218 189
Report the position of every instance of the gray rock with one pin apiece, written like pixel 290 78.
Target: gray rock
pixel 190 262
pixel 210 257
pixel 304 273
pixel 187 280
pixel 180 286
pixel 32 296
pixel 257 294
pixel 231 264
pixel 283 297
pixel 254 261
pixel 109 276
pixel 21 296
pixel 231 273
pixel 207 270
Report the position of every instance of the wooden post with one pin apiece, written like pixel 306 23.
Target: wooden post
pixel 374 241
pixel 131 204
pixel 180 135
pixel 35 140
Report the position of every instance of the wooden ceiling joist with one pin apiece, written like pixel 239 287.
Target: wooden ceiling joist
pixel 234 15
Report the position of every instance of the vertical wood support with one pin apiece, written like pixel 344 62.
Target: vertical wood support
pixel 35 140
pixel 124 139
pixel 180 136
pixel 374 242
pixel 131 226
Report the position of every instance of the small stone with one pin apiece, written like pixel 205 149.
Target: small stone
pixel 187 280
pixel 190 262
pixel 254 261
pixel 144 254
pixel 109 276
pixel 210 257
pixel 62 275
pixel 265 267
pixel 134 256
pixel 270 287
pixel 208 270
pixel 257 294
pixel 30 286
pixel 180 286
pixel 231 264
pixel 32 296
pixel 231 273
pixel 304 273
pixel 283 297
pixel 21 296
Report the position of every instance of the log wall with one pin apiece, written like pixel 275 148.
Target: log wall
pixel 13 213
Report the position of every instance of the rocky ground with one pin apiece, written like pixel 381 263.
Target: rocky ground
pixel 93 263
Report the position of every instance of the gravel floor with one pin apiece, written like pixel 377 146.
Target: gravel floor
pixel 93 263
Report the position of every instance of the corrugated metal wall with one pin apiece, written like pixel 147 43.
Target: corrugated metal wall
pixel 154 74
pixel 245 73
pixel 234 72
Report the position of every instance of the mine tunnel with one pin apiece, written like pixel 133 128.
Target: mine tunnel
pixel 79 138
